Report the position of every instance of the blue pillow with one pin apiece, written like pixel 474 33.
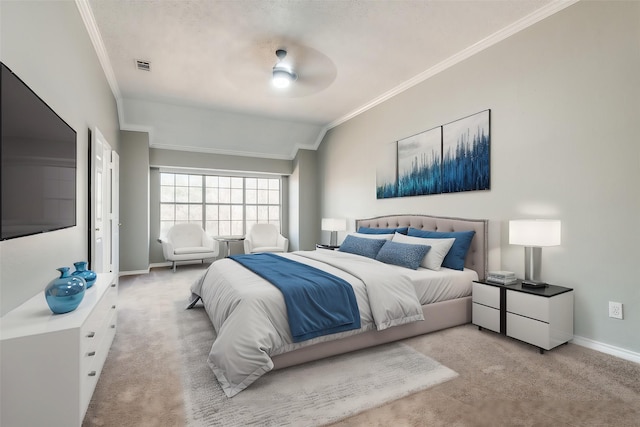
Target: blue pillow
pixel 360 246
pixel 369 230
pixel 458 252
pixel 402 254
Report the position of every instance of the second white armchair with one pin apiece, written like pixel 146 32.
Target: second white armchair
pixel 265 238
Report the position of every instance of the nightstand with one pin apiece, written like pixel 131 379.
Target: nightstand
pixel 539 316
pixel 330 247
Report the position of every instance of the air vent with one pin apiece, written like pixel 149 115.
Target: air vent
pixel 143 65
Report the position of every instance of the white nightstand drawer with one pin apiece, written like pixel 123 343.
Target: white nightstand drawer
pixel 528 305
pixel 486 317
pixel 486 295
pixel 528 330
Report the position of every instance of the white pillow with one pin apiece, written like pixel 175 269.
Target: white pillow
pixel 435 256
pixel 373 236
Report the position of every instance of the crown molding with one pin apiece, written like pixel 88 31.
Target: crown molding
pixel 96 39
pixel 208 150
pixel 527 21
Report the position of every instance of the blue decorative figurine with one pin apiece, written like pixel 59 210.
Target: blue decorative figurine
pixel 88 275
pixel 65 293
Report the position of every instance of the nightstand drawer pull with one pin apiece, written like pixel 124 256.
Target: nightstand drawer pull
pixel 113 326
pixel 113 306
pixel 92 373
pixel 113 285
pixel 91 334
pixel 91 353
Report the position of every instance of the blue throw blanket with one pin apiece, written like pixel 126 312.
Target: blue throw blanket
pixel 318 303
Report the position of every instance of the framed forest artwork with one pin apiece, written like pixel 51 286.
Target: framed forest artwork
pixel 447 159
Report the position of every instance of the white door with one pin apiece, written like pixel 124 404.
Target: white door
pixel 101 202
pixel 97 202
pixel 115 212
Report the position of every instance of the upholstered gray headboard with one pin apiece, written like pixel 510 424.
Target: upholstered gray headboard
pixel 477 255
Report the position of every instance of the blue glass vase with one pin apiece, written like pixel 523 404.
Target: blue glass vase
pixel 65 293
pixel 88 275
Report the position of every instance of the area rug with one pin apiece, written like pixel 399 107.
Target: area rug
pixel 312 394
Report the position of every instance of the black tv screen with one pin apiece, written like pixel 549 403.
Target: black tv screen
pixel 38 161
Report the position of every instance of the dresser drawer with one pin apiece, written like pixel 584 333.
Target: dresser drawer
pixel 93 362
pixel 486 317
pixel 528 330
pixel 91 331
pixel 528 305
pixel 486 295
pixel 93 353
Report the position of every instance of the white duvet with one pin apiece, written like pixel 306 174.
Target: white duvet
pixel 250 317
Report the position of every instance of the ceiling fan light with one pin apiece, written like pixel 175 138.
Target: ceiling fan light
pixel 282 78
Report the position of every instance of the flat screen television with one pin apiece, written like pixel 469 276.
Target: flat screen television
pixel 37 161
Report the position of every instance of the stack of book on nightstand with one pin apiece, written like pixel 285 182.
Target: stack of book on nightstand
pixel 502 277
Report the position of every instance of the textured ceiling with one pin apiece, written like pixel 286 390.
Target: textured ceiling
pixel 213 59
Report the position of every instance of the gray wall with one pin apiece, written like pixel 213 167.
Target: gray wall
pixel 187 159
pixel 134 201
pixel 47 46
pixel 303 202
pixel 565 101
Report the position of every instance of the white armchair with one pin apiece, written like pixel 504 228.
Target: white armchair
pixel 265 238
pixel 187 242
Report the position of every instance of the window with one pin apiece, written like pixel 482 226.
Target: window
pixel 223 205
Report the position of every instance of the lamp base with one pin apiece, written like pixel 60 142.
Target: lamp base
pixel 532 262
pixel 334 238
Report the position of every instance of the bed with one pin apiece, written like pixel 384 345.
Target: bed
pixel 249 314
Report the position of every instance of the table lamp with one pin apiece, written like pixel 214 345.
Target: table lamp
pixel 334 225
pixel 533 234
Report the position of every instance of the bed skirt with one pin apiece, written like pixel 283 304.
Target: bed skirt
pixel 438 316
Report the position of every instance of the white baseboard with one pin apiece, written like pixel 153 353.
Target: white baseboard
pixel 607 348
pixel 156 265
pixel 160 264
pixel 133 272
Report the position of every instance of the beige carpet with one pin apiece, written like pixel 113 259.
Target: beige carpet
pixel 501 382
pixel 313 394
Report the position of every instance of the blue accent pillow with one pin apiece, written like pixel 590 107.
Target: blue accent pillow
pixel 402 254
pixel 360 246
pixel 458 252
pixel 369 230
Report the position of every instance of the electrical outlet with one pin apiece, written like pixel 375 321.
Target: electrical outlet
pixel 615 310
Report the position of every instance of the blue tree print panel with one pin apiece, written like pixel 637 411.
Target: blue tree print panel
pixel 465 153
pixel 419 164
pixel 387 172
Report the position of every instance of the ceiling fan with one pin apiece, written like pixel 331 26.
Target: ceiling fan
pixel 250 68
pixel 283 73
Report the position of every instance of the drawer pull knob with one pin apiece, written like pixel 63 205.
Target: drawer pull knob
pixel 113 326
pixel 91 334
pixel 113 285
pixel 113 306
pixel 91 353
pixel 92 373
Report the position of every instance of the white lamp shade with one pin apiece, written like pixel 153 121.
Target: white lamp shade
pixel 534 232
pixel 334 224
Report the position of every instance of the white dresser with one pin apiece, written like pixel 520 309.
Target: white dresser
pixel 539 316
pixel 50 363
